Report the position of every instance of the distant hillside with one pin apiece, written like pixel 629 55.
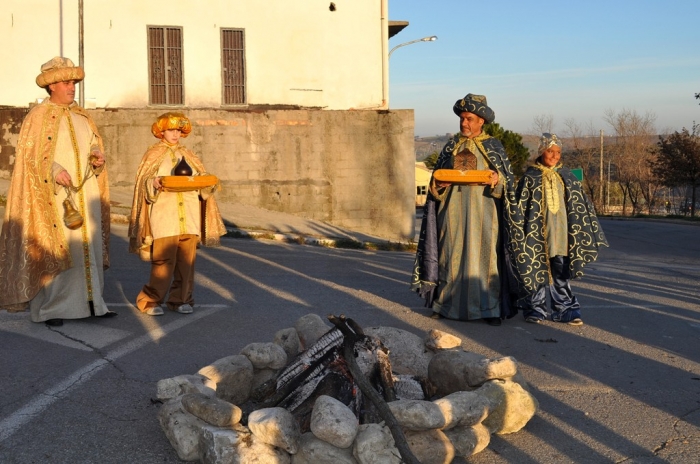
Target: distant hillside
pixel 424 146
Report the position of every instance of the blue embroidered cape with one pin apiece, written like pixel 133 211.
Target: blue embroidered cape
pixel 584 232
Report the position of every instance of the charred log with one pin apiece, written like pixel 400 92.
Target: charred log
pixel 344 364
pixel 351 337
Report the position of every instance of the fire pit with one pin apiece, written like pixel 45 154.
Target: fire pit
pixel 342 394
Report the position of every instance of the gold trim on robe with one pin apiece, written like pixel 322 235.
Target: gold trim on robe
pixel 33 247
pixel 139 228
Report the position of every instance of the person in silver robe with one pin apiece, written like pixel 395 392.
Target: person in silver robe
pixel 462 262
pixel 555 233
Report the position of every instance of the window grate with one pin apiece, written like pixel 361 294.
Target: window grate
pixel 165 60
pixel 233 66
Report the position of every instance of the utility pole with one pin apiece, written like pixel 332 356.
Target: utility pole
pixel 81 30
pixel 60 27
pixel 607 200
pixel 602 173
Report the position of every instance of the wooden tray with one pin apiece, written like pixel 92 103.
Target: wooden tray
pixel 463 177
pixel 187 183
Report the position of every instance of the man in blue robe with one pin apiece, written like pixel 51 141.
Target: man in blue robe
pixel 461 266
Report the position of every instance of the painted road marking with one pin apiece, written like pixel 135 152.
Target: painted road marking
pixel 13 422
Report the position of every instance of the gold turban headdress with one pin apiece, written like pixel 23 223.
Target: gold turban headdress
pixel 171 120
pixel 59 69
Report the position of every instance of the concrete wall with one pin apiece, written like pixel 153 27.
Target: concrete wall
pixel 353 169
pixel 298 53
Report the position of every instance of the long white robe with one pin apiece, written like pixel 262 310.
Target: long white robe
pixel 67 296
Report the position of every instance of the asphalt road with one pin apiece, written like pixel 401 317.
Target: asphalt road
pixel 625 387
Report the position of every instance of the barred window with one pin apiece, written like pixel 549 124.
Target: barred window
pixel 165 65
pixel 233 67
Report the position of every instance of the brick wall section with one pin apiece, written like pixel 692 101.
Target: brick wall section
pixel 353 169
pixel 10 122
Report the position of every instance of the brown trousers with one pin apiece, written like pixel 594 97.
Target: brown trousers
pixel 172 267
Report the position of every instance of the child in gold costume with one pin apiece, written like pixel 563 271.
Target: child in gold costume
pixel 166 226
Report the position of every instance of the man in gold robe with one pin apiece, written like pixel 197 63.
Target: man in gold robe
pixel 59 180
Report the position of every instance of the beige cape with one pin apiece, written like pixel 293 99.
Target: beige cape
pixel 212 225
pixel 33 248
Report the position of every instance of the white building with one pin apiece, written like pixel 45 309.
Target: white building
pixel 202 53
pixel 288 100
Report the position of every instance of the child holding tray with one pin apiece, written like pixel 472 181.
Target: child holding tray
pixel 167 226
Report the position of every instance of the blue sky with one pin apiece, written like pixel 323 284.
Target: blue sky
pixel 570 59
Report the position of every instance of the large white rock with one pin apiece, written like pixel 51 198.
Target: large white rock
pixel 233 376
pixel 333 422
pixel 309 329
pixel 417 414
pixel 374 444
pixel 276 427
pixel 315 451
pixel 182 429
pixel 447 370
pixel 469 440
pixel 183 384
pixel 511 406
pixel 265 355
pixel 212 410
pixel 261 376
pixel 482 371
pixel 407 351
pixel 221 446
pixel 430 446
pixel 288 339
pixel 463 408
pixel 218 446
pixel 437 340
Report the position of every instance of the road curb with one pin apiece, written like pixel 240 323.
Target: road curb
pixel 234 232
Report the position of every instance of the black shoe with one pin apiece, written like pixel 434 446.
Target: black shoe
pixel 54 322
pixel 436 316
pixel 109 314
pixel 495 321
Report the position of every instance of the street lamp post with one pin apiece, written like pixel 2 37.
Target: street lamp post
pixel 432 38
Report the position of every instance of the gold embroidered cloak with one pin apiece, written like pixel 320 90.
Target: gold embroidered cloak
pixel 33 245
pixel 139 227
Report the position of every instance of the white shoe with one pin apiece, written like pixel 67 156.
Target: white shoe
pixel 155 311
pixel 185 309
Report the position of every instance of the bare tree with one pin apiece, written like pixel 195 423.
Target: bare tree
pixel 541 124
pixel 582 149
pixel 678 162
pixel 634 136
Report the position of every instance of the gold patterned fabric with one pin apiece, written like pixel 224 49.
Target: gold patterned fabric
pixel 59 69
pixel 139 226
pixel 552 185
pixel 169 121
pixel 33 244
